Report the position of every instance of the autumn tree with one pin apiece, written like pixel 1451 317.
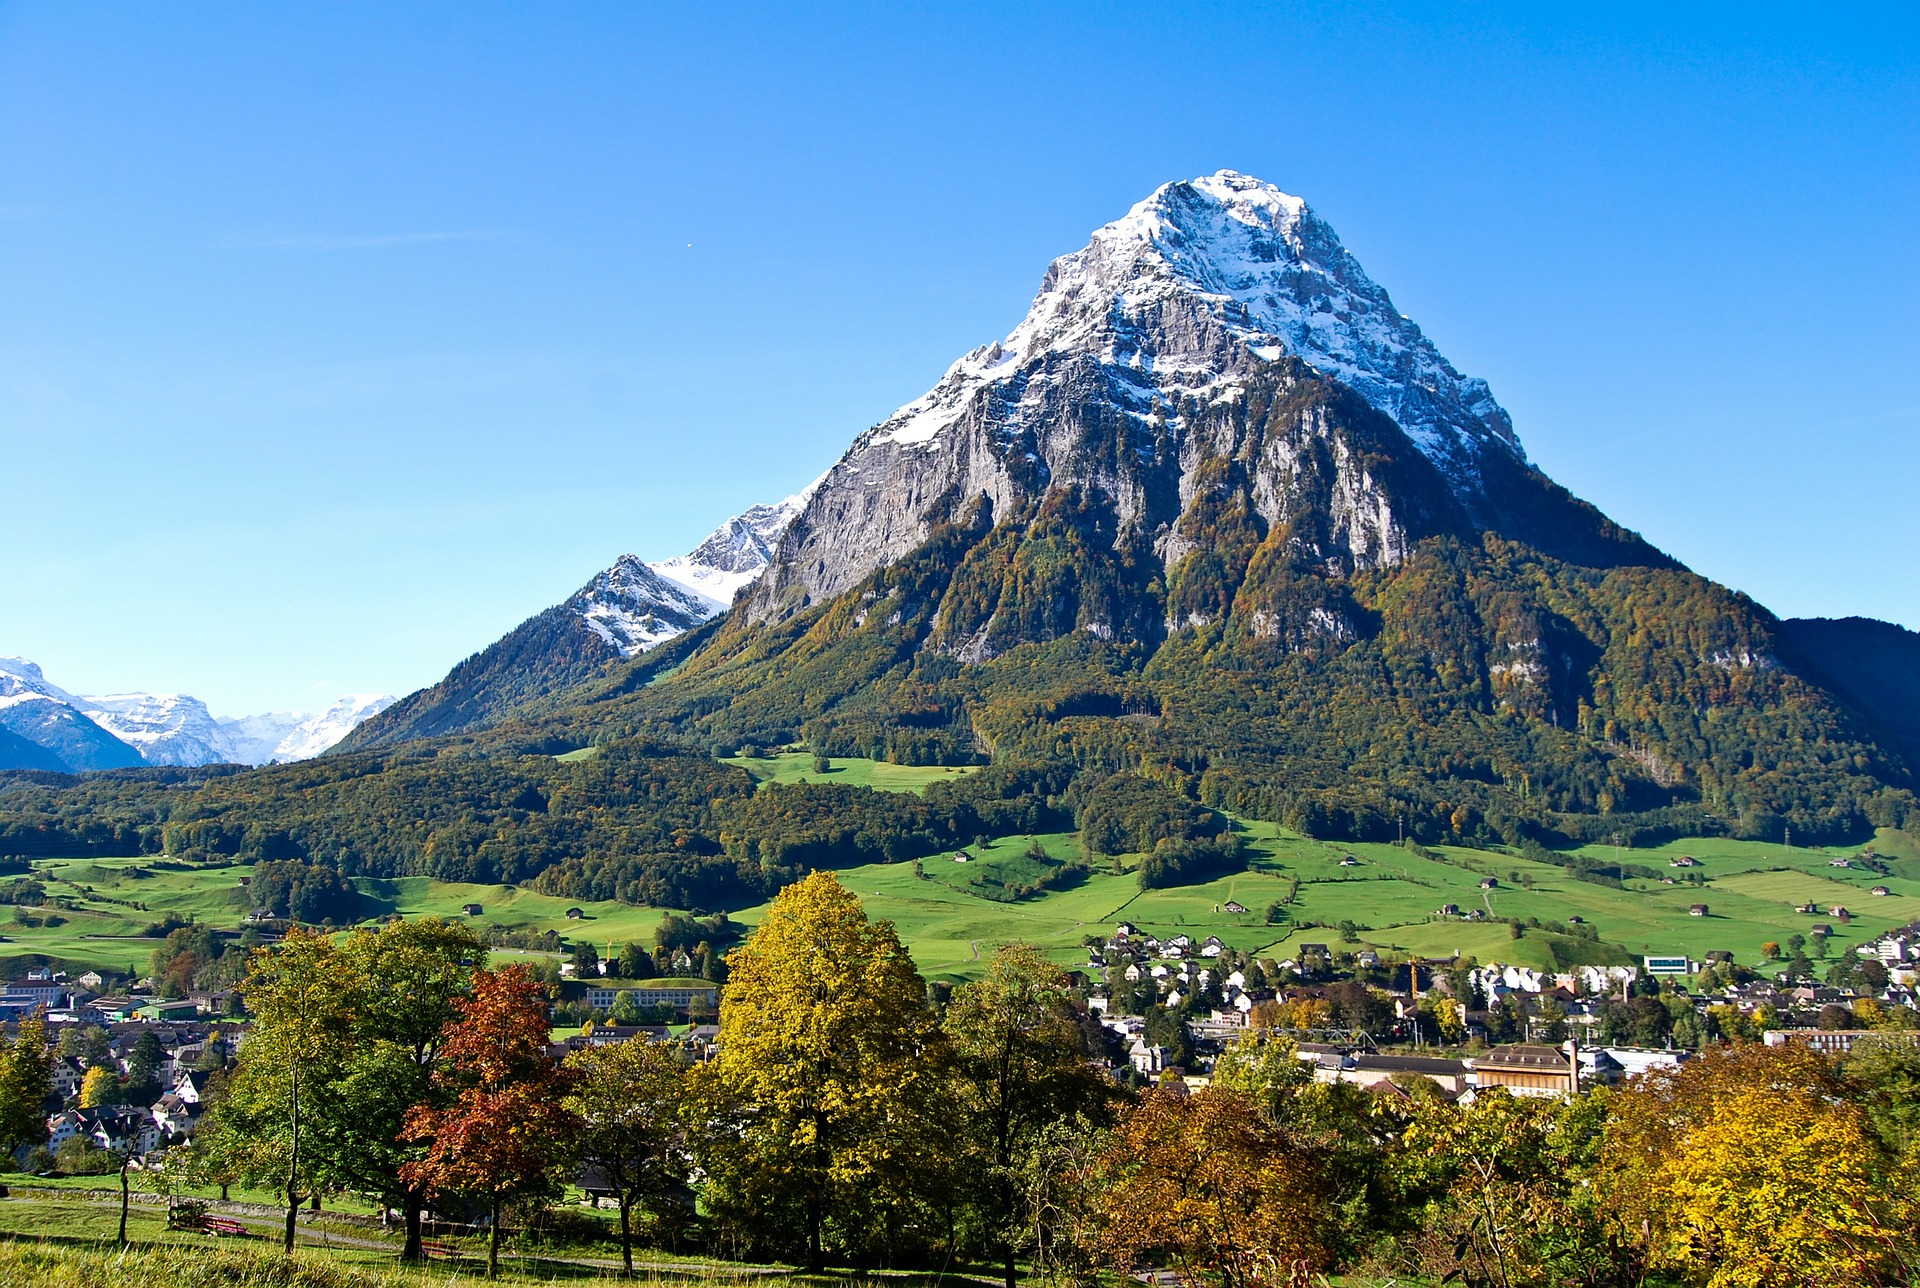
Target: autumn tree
pixel 1750 1167
pixel 827 1058
pixel 629 1098
pixel 1206 1185
pixel 1019 1064
pixel 507 1128
pixel 407 979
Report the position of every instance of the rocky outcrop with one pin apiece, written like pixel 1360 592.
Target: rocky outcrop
pixel 1221 320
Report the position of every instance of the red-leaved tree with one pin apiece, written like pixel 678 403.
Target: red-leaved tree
pixel 507 1128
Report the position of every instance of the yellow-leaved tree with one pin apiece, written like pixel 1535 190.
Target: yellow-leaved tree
pixel 1748 1168
pixel 829 1061
pixel 1776 1189
pixel 98 1087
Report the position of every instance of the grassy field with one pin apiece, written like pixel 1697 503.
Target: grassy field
pixel 1389 894
pixel 796 767
pixel 69 1240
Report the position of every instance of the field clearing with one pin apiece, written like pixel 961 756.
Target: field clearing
pixel 1390 895
pixel 851 771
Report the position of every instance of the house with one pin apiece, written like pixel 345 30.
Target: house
pixel 1526 1069
pixel 1879 891
pixel 92 980
pixel 1697 910
pixel 1448 910
pixel 174 1116
pixel 1822 929
pixel 963 857
pixel 471 909
pixel 191 1086
pixel 1181 941
pixel 49 993
pixel 1839 863
pixel 1489 883
pixel 1212 947
pixel 62 1127
pixel 1807 909
pixel 1840 914
pixel 1367 1069
pixel 1233 906
pixel 1684 861
pixel 1348 861
pixel 68 1074
pixel 576 914
pixel 1366 957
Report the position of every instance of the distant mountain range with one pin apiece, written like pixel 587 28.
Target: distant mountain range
pixel 621 613
pixel 42 726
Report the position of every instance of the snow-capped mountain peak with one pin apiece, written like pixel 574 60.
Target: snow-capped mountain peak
pixel 635 605
pixel 1271 278
pixel 117 729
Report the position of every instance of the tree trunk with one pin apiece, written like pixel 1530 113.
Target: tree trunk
pixel 493 1236
pixel 1010 1272
pixel 293 1216
pixel 815 1261
pixel 412 1251
pixel 124 1165
pixel 626 1232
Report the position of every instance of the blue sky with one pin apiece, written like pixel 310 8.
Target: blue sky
pixel 339 338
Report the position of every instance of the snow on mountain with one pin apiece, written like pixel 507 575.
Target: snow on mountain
pixel 316 733
pixel 633 605
pixel 165 728
pixel 176 728
pixel 1276 280
pixel 1166 320
pixel 738 551
pixel 39 712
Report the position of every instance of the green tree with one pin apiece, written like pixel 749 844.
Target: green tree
pixel 26 1082
pixel 1019 1065
pixel 407 979
pixel 302 994
pixel 630 1098
pixel 825 1046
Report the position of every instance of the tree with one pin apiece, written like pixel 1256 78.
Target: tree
pixel 143 1069
pixel 635 962
pixel 1751 1166
pixel 26 1081
pixel 1265 1069
pixel 507 1128
pixel 1019 1065
pixel 408 977
pixel 826 1054
pixel 99 1087
pixel 1205 1184
pixel 629 1098
pixel 302 995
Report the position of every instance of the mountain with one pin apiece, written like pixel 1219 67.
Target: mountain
pixel 39 713
pixel 1216 507
pixel 1875 664
pixel 1137 354
pixel 316 733
pixel 114 731
pixel 621 613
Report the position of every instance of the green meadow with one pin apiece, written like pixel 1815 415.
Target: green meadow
pixel 1389 897
pixel 796 767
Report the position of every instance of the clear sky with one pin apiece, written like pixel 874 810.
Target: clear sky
pixel 337 338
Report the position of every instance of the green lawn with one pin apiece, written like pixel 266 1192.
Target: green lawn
pixel 1390 894
pixel 797 766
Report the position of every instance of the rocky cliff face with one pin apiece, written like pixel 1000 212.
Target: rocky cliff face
pixel 1216 352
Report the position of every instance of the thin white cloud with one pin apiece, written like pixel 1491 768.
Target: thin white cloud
pixel 361 241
